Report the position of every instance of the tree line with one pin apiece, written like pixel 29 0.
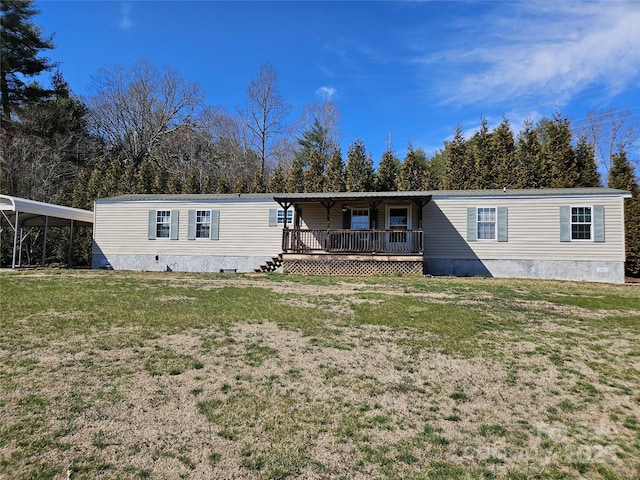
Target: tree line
pixel 147 130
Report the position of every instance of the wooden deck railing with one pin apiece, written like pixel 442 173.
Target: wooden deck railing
pixel 351 241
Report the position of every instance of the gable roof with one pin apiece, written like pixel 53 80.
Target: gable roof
pixel 424 195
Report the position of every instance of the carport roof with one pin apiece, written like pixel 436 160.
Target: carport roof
pixel 32 213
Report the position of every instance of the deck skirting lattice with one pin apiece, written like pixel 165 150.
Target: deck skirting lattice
pixel 352 267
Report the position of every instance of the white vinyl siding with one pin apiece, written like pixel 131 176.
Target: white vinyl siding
pixel 533 229
pixel 240 228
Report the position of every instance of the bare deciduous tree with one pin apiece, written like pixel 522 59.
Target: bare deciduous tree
pixel 609 131
pixel 265 113
pixel 132 108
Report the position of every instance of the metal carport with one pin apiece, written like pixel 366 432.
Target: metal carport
pixel 21 213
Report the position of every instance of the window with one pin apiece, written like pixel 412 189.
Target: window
pixel 163 223
pixel 581 223
pixel 398 221
pixel 289 216
pixel 486 223
pixel 203 223
pixel 360 219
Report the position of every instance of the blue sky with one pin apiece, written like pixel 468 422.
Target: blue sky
pixel 413 69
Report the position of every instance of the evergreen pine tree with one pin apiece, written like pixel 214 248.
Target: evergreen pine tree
pixel 278 181
pixel 161 181
pixel 585 161
pixel 223 185
pixel 127 185
pixel 22 42
pixel 241 185
pixel 144 178
pixel 483 160
pixel 388 171
pixel 258 184
pixel 94 184
pixel 335 175
pixel 359 169
pixel 79 197
pixel 295 181
pixel 413 171
pixel 209 183
pixel 459 166
pixel 528 158
pixel 113 177
pixel 437 168
pixel 192 182
pixel 314 174
pixel 558 161
pixel 504 157
pixel 174 183
pixel 622 176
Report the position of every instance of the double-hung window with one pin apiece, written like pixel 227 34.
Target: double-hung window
pixel 163 223
pixel 360 219
pixel 581 223
pixel 281 216
pixel 203 223
pixel 486 223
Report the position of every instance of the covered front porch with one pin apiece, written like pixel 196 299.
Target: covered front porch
pixel 352 232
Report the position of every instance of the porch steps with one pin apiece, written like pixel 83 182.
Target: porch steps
pixel 271 265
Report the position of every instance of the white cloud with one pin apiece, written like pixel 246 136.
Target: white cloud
pixel 326 92
pixel 125 20
pixel 549 53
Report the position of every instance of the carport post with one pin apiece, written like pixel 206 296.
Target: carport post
pixel 44 241
pixel 15 240
pixel 70 243
pixel 20 249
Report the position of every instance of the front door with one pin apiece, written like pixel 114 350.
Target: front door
pixel 398 222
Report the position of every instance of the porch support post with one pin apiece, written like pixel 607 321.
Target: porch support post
pixel 374 213
pixel 70 243
pixel 44 241
pixel 285 206
pixel 420 203
pixel 328 205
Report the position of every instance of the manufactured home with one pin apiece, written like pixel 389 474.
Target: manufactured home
pixel 568 234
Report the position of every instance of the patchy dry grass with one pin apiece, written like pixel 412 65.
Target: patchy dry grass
pixel 123 375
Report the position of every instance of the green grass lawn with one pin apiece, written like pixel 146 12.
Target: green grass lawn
pixel 169 375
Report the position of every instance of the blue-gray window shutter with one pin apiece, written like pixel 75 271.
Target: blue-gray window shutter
pixel 191 230
pixel 503 231
pixel 598 223
pixel 215 224
pixel 152 224
pixel 174 224
pixel 472 230
pixel 273 217
pixel 565 224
